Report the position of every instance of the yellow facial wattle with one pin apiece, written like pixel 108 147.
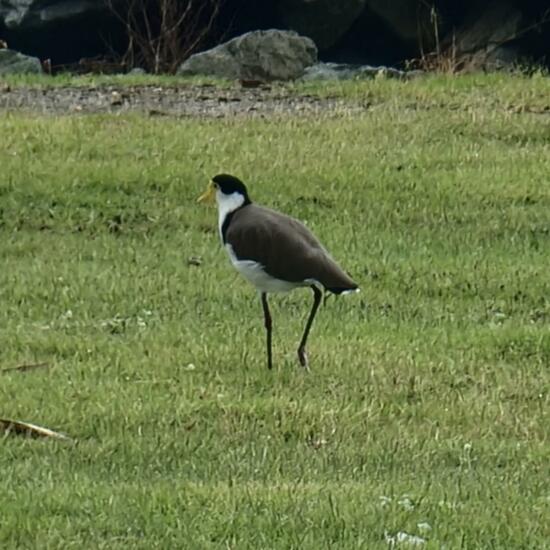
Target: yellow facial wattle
pixel 209 196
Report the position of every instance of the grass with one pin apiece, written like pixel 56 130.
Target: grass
pixel 93 79
pixel 428 398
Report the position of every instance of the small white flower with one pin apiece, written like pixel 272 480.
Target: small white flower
pixel 403 538
pixel 412 540
pixel 67 315
pixel 385 501
pixel 406 503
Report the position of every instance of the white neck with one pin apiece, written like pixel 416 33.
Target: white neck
pixel 226 205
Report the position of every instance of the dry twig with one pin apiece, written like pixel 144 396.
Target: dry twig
pixel 161 34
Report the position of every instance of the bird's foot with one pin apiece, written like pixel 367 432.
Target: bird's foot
pixel 302 357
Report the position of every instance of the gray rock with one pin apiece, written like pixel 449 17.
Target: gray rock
pixel 137 71
pixel 346 71
pixel 33 14
pixel 492 26
pixel 12 62
pixel 503 57
pixel 259 55
pixel 484 39
pixel 324 21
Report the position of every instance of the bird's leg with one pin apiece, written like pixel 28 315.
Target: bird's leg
pixel 267 324
pixel 302 355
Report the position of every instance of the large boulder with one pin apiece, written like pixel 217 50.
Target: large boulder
pixel 486 38
pixel 258 55
pixel 33 14
pixel 477 34
pixel 324 21
pixel 62 30
pixel 469 35
pixel 12 62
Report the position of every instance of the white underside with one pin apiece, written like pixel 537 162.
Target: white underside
pixel 254 273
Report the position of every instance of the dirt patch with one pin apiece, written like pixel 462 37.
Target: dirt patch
pixel 189 101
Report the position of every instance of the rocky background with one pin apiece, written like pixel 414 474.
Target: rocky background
pixel 448 34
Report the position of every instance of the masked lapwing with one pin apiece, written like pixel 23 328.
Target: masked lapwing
pixel 274 252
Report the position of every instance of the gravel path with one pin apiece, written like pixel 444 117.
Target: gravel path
pixel 187 101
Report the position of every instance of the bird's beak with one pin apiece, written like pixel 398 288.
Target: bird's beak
pixel 209 196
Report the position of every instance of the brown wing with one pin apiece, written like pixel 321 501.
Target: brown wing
pixel 284 247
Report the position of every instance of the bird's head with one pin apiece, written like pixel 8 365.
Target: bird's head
pixel 225 189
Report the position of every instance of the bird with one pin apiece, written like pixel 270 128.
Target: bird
pixel 274 252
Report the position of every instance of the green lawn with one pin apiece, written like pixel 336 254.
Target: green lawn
pixel 428 398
